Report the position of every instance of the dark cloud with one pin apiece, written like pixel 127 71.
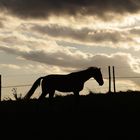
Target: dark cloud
pixel 135 31
pixel 1 25
pixel 83 35
pixel 2 20
pixel 44 8
pixel 59 58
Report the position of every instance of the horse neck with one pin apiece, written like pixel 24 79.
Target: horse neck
pixel 85 75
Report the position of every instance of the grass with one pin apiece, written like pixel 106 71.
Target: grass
pixel 121 101
pixel 95 113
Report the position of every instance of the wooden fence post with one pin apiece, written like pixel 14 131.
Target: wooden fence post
pixel 114 84
pixel 109 73
pixel 0 87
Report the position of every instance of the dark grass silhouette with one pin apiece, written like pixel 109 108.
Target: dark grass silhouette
pixel 96 115
pixel 115 102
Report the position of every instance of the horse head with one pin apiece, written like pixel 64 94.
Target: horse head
pixel 96 74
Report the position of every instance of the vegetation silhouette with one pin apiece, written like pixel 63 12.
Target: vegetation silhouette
pixel 97 115
pixel 101 114
pixel 73 82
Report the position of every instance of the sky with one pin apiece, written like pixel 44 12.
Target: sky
pixel 41 37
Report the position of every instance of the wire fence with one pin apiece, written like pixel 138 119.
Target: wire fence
pixel 12 86
pixel 27 85
pixel 32 77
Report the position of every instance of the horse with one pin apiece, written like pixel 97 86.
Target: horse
pixel 72 82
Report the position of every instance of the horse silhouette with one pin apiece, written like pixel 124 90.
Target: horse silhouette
pixel 73 82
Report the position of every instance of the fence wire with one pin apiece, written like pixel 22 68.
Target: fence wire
pixel 106 77
pixel 27 85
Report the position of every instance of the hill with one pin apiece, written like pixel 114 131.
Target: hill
pixel 92 114
pixel 111 102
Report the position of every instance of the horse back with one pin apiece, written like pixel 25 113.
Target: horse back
pixel 64 82
pixel 62 78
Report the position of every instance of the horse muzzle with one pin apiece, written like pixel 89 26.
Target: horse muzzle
pixel 101 83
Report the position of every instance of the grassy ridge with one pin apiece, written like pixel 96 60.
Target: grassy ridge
pixel 95 113
pixel 118 102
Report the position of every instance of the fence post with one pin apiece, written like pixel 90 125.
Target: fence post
pixel 114 84
pixel 0 87
pixel 109 73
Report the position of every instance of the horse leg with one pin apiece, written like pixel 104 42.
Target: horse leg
pixel 76 94
pixel 51 94
pixel 43 94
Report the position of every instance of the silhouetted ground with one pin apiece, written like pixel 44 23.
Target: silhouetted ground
pixel 96 115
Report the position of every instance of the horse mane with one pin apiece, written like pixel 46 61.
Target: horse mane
pixel 83 71
pixel 92 68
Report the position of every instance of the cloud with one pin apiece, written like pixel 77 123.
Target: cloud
pixel 45 8
pixel 135 31
pixel 59 56
pixel 1 25
pixel 83 35
pixel 10 66
pixel 62 57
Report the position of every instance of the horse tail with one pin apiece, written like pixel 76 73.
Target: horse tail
pixel 33 88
